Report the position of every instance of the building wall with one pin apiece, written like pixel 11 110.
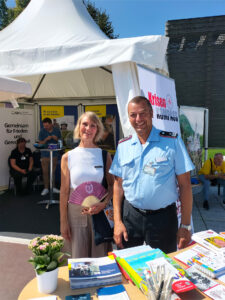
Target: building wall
pixel 196 60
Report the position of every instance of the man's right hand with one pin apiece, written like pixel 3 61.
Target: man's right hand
pixel 119 233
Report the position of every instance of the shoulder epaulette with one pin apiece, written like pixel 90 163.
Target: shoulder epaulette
pixel 125 139
pixel 168 134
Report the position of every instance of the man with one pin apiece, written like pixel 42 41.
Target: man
pixel 212 170
pixel 148 166
pixel 21 165
pixel 64 132
pixel 48 135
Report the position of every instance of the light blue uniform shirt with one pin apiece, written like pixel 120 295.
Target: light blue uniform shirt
pixel 149 171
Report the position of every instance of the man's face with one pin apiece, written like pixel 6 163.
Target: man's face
pixel 218 159
pixel 140 117
pixel 47 126
pixel 63 127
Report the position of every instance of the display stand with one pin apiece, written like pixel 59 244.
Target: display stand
pixel 50 201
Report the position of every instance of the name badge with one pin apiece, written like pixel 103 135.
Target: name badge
pixel 148 169
pixel 97 167
pixel 161 159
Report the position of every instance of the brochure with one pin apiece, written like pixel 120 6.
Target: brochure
pixel 87 272
pixel 211 240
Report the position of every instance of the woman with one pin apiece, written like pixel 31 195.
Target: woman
pixel 82 164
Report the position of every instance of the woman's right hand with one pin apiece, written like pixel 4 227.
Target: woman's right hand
pixel 65 230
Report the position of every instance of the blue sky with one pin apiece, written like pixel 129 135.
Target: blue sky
pixel 132 18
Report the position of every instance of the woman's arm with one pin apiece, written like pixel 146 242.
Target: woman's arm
pixel 15 167
pixel 64 197
pixel 31 163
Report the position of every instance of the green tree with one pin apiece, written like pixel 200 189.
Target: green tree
pixel 100 17
pixel 20 5
pixel 3 14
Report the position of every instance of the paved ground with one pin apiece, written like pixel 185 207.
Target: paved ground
pixel 15 271
pixel 214 218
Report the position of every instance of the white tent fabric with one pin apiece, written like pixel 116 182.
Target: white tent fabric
pixel 12 89
pixel 60 39
pixel 125 92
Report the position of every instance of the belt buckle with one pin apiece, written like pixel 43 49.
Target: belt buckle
pixel 144 211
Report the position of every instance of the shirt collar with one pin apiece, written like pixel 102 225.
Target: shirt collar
pixel 153 136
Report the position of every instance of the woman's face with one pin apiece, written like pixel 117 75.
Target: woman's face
pixel 88 129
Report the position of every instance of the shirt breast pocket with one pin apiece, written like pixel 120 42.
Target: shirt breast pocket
pixel 129 168
pixel 162 168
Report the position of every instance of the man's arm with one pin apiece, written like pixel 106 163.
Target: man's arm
pixel 184 183
pixel 43 141
pixel 119 228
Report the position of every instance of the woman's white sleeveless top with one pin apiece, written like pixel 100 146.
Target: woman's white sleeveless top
pixel 85 164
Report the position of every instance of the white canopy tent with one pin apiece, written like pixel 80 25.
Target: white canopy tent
pixel 56 46
pixel 12 89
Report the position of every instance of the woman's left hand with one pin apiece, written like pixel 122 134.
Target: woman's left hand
pixel 94 209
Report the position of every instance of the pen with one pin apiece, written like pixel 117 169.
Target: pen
pixel 160 290
pixel 153 278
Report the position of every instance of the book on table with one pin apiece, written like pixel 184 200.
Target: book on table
pixel 211 240
pixel 89 272
pixel 136 265
pixel 204 260
pixel 116 292
pixel 122 253
pixel 86 296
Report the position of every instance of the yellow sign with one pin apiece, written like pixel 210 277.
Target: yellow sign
pixel 100 110
pixel 52 112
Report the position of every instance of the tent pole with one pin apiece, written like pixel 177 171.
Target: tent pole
pixel 105 69
pixel 37 88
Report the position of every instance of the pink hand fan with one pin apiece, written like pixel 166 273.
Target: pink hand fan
pixel 88 193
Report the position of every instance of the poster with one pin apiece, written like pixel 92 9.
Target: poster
pixel 160 91
pixel 64 118
pixel 192 132
pixel 108 141
pixel 100 110
pixel 14 123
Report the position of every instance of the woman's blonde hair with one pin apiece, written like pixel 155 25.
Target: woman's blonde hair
pixel 95 119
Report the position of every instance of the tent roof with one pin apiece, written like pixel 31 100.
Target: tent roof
pixel 52 36
pixel 50 23
pixel 11 89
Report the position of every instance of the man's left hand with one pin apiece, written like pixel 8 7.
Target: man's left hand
pixel 183 238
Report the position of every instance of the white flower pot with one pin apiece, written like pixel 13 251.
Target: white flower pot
pixel 47 282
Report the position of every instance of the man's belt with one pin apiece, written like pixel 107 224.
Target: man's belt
pixel 153 212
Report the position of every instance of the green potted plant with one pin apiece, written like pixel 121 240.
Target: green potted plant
pixel 47 257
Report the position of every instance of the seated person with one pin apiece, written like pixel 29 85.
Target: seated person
pixel 21 165
pixel 213 169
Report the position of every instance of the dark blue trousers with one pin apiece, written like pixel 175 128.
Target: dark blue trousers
pixel 157 228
